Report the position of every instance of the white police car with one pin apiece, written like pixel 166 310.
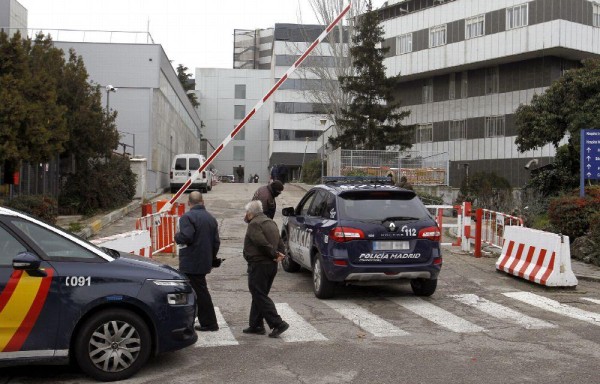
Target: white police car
pixel 63 299
pixel 361 230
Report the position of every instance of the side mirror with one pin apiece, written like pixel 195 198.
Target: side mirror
pixel 26 261
pixel 289 211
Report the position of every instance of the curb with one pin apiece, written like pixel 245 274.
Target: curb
pixel 94 227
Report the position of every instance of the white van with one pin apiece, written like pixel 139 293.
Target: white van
pixel 182 168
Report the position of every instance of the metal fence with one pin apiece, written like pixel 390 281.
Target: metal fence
pixel 420 168
pixel 33 179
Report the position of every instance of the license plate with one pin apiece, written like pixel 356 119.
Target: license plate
pixel 390 245
pixel 180 173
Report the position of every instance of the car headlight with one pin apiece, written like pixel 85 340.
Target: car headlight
pixel 177 298
pixel 170 283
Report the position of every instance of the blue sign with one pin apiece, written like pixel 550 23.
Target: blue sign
pixel 590 157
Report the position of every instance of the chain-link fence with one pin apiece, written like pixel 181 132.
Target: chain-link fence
pixel 32 179
pixel 420 168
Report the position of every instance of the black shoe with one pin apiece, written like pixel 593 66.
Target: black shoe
pixel 278 330
pixel 255 330
pixel 211 328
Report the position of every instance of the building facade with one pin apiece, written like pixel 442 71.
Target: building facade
pixel 226 96
pixel 13 17
pixel 467 65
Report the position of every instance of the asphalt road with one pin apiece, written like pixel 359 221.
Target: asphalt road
pixel 481 326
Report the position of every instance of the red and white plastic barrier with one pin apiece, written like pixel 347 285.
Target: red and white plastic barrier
pixel 490 226
pixel 162 226
pixel 537 256
pixel 136 242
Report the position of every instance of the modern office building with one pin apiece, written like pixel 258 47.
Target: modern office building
pixel 252 49
pixel 13 17
pixel 467 65
pixel 226 96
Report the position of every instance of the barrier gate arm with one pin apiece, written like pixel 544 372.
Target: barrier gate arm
pixel 258 105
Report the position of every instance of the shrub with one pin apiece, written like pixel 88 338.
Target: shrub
pixel 570 215
pixel 430 199
pixel 311 174
pixel 42 207
pixel 101 185
pixel 487 190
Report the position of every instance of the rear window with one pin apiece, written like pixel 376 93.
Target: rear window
pixel 181 164
pixel 380 205
pixel 194 163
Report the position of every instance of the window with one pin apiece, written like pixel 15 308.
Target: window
pixel 458 130
pixel 305 205
pixel 428 91
pixel 596 15
pixel 464 85
pixel 494 126
pixel 475 27
pixel 241 135
pixel 425 133
pixel 437 36
pixel 492 80
pixel 404 44
pixel 452 87
pixel 239 153
pixel 11 247
pixel 516 17
pixel 239 111
pixel 181 164
pixel 240 91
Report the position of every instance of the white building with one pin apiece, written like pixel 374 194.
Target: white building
pixel 13 17
pixel 467 65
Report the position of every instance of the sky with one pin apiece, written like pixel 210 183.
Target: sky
pixel 195 33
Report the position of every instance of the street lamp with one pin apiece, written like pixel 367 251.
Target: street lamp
pixel 109 89
pixel 323 122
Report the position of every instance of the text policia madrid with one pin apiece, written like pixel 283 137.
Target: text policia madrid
pixel 387 256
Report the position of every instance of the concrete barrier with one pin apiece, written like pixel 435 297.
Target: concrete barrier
pixel 136 242
pixel 537 256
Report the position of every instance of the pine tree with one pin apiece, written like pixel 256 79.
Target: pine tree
pixel 373 119
pixel 184 79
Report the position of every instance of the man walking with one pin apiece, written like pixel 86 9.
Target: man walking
pixel 267 194
pixel 199 237
pixel 263 249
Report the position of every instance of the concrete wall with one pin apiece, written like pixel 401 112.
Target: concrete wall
pixel 13 17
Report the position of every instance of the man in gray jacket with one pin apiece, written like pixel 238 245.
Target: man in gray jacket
pixel 263 249
pixel 198 237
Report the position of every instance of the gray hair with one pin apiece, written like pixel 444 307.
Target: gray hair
pixel 195 198
pixel 254 207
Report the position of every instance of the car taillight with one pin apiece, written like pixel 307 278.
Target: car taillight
pixel 343 234
pixel 171 174
pixel 430 233
pixel 437 261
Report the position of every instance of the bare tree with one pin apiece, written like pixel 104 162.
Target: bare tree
pixel 324 75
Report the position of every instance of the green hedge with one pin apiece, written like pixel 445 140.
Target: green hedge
pixel 42 207
pixel 570 215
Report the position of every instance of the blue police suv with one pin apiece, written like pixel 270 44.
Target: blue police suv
pixel 63 299
pixel 361 230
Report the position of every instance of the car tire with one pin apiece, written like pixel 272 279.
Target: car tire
pixel 127 338
pixel 209 188
pixel 287 263
pixel 174 190
pixel 322 287
pixel 423 287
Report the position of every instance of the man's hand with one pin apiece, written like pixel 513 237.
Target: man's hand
pixel 280 256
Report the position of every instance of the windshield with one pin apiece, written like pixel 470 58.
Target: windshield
pixel 381 206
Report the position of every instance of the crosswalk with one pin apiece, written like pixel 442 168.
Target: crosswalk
pixel 357 315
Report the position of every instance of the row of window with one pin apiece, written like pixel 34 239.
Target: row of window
pixel 596 14
pixel 516 17
pixel 492 85
pixel 495 126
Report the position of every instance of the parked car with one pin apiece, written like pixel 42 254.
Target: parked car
pixel 362 230
pixel 64 300
pixel 182 168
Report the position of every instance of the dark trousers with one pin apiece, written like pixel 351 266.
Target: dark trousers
pixel 260 280
pixel 206 310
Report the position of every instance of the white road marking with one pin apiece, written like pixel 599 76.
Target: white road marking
pixel 219 338
pixel 595 301
pixel 300 330
pixel 437 315
pixel 365 319
pixel 555 307
pixel 501 312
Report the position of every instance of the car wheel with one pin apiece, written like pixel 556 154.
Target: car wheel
pixel 174 190
pixel 113 345
pixel 287 263
pixel 209 188
pixel 423 287
pixel 322 286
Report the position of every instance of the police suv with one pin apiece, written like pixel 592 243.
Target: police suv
pixel 64 299
pixel 362 230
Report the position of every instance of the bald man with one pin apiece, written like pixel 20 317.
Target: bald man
pixel 199 232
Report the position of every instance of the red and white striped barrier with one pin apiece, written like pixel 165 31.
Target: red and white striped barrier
pixel 537 256
pixel 136 242
pixel 258 105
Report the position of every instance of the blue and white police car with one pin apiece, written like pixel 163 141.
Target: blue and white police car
pixel 63 299
pixel 362 230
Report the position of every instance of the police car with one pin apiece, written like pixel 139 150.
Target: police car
pixel 64 299
pixel 361 230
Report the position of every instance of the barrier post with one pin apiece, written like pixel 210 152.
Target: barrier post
pixel 478 225
pixel 466 246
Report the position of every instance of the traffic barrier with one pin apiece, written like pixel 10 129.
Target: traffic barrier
pixel 439 219
pixel 162 226
pixel 537 256
pixel 490 226
pixel 136 242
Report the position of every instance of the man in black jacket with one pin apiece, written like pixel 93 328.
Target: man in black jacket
pixel 263 249
pixel 199 242
pixel 267 194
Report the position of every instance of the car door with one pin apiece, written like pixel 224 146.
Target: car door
pixel 299 235
pixel 29 300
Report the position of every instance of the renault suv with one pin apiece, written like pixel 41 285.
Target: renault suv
pixel 362 230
